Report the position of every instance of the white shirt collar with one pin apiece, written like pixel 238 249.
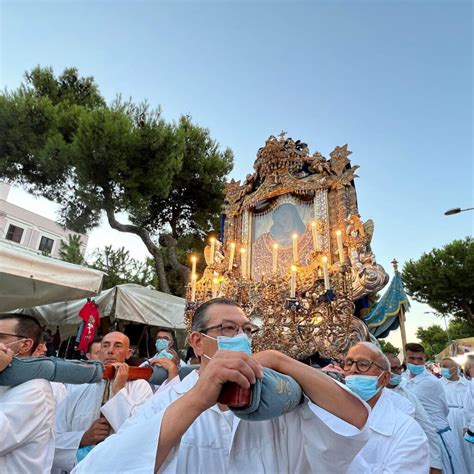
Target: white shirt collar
pixel 382 417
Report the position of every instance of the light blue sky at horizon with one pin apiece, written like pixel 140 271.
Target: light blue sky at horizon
pixel 392 79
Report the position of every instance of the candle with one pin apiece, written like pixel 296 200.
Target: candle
pixel 243 262
pixel 193 262
pixel 293 282
pixel 212 240
pixel 315 235
pixel 215 287
pixel 295 248
pixel 231 256
pixel 275 258
pixel 193 287
pixel 340 247
pixel 327 286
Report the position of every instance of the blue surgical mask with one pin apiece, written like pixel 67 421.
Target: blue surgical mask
pixel 239 343
pixel 416 369
pixel 364 385
pixel 165 353
pixel 395 379
pixel 445 372
pixel 161 344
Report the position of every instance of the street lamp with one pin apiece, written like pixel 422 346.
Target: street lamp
pixel 444 318
pixel 457 210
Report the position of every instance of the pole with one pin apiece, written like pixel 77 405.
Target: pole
pixel 401 317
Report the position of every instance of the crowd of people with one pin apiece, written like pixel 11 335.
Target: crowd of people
pixel 364 414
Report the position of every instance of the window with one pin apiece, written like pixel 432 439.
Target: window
pixel 46 245
pixel 14 233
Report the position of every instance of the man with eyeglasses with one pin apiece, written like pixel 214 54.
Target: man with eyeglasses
pixel 396 443
pixel 26 410
pixel 416 410
pixel 430 392
pixel 184 429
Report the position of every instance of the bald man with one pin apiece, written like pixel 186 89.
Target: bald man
pixel 397 443
pixel 90 413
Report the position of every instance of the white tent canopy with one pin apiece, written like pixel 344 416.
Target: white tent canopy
pixel 124 302
pixel 28 279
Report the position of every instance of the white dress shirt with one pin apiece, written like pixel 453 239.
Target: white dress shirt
pixel 27 428
pixel 397 444
pixel 456 391
pixel 307 439
pixel 425 422
pixel 82 406
pixel 430 392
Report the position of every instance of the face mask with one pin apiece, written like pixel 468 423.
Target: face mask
pixel 165 353
pixel 162 344
pixel 416 369
pixel 445 372
pixel 364 385
pixel 395 379
pixel 239 343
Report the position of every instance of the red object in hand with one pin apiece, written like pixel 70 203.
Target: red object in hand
pixel 235 396
pixel 134 373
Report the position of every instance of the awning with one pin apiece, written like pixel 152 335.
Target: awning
pixel 28 279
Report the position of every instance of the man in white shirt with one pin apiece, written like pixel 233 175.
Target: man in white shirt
pixel 456 388
pixel 26 410
pixel 91 411
pixel 397 444
pixel 419 413
pixel 430 392
pixel 184 429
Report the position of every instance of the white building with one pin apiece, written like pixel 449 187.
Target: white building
pixel 31 230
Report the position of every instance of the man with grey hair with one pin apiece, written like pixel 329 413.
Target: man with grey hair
pixel 397 443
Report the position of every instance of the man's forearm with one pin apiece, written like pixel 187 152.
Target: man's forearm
pixel 325 392
pixel 177 418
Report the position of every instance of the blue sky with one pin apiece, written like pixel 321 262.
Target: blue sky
pixel 393 79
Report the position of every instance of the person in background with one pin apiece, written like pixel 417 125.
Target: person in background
pixel 93 351
pixel 26 410
pixel 397 443
pixel 469 369
pixel 430 392
pixel 456 388
pixel 90 412
pixel 419 413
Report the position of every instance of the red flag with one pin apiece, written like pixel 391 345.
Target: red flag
pixel 90 315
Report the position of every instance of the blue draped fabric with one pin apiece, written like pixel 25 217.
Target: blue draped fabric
pixel 384 316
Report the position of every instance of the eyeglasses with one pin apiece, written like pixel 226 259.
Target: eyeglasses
pixel 229 328
pixel 396 370
pixel 363 365
pixel 14 335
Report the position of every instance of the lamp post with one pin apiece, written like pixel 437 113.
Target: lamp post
pixel 444 318
pixel 457 210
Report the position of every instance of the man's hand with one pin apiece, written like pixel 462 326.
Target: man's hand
pixel 121 377
pixel 225 366
pixel 6 356
pixel 167 364
pixel 98 431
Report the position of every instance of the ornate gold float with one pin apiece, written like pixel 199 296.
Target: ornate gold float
pixel 294 252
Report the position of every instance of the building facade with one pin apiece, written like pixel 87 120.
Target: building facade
pixel 31 230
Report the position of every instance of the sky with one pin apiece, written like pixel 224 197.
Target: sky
pixel 392 79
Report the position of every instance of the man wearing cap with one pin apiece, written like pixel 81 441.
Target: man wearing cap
pixel 186 430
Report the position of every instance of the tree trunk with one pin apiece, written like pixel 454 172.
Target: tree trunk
pixel 149 244
pixel 467 309
pixel 167 240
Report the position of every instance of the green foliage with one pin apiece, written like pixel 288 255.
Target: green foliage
pixel 444 278
pixel 460 328
pixel 433 338
pixel 59 139
pixel 70 251
pixel 388 348
pixel 120 268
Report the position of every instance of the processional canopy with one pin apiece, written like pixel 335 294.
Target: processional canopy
pixel 294 252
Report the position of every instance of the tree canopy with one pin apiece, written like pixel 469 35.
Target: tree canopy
pixel 388 348
pixel 444 279
pixel 59 139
